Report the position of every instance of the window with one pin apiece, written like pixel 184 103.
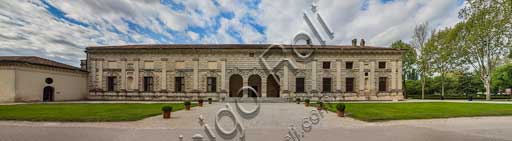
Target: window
pixel 382 84
pixel 251 54
pixel 111 83
pixel 299 85
pixel 326 65
pixel 382 65
pixel 179 84
pixel 211 84
pixel 366 74
pixel 349 84
pixel 148 83
pixel 326 85
pixel 349 65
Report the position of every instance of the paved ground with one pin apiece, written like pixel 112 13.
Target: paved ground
pixel 270 124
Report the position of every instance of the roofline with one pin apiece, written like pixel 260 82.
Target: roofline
pixel 25 62
pixel 233 46
pixel 69 67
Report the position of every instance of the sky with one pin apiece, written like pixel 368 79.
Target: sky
pixel 60 30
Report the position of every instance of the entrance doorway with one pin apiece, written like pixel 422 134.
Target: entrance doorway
pixel 235 84
pixel 255 83
pixel 48 93
pixel 272 86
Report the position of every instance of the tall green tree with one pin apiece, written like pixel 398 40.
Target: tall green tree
pixel 443 53
pixel 469 83
pixel 487 36
pixel 502 77
pixel 420 37
pixel 408 59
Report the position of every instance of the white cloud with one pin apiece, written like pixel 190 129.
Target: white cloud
pixel 380 24
pixel 27 28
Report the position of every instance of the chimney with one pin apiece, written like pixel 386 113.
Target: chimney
pixel 362 43
pixel 354 42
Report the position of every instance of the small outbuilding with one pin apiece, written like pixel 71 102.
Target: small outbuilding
pixel 33 79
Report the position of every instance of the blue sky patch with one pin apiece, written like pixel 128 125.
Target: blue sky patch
pixel 59 14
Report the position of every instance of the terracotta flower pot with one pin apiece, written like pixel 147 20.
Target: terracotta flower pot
pixel 306 104
pixel 209 101
pixel 319 108
pixel 200 104
pixel 187 107
pixel 341 113
pixel 166 115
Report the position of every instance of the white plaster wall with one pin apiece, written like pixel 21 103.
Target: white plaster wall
pixel 7 88
pixel 30 83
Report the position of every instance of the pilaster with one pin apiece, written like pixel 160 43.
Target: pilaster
pixel 136 73
pixel 163 77
pixel 195 76
pixel 100 74
pixel 123 74
pixel 338 75
pixel 313 76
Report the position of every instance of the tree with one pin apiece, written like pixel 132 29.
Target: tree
pixel 502 77
pixel 469 83
pixel 443 53
pixel 420 37
pixel 487 33
pixel 409 59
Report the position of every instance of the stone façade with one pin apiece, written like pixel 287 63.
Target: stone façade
pixel 129 64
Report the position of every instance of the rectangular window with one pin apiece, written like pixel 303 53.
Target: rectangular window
pixel 349 65
pixel 382 84
pixel 326 65
pixel 382 65
pixel 349 84
pixel 299 85
pixel 211 84
pixel 326 85
pixel 148 83
pixel 111 83
pixel 179 84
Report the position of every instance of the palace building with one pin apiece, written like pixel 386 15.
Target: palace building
pixel 218 71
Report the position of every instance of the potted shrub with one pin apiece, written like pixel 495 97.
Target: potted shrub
pixel 306 102
pixel 166 112
pixel 210 100
pixel 297 100
pixel 200 102
pixel 340 109
pixel 187 105
pixel 320 105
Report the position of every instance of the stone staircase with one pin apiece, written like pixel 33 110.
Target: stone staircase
pixel 260 100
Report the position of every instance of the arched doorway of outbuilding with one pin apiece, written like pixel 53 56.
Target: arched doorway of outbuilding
pixel 273 87
pixel 235 84
pixel 48 93
pixel 255 82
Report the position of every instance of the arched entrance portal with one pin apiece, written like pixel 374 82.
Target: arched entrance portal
pixel 272 86
pixel 235 84
pixel 48 93
pixel 255 82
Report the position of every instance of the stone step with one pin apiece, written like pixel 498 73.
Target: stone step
pixel 259 99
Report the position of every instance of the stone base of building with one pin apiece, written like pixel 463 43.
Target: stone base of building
pixel 144 96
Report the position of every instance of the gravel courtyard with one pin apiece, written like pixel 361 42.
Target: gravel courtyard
pixel 271 123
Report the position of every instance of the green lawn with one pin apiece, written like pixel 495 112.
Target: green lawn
pixel 83 112
pixel 421 110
